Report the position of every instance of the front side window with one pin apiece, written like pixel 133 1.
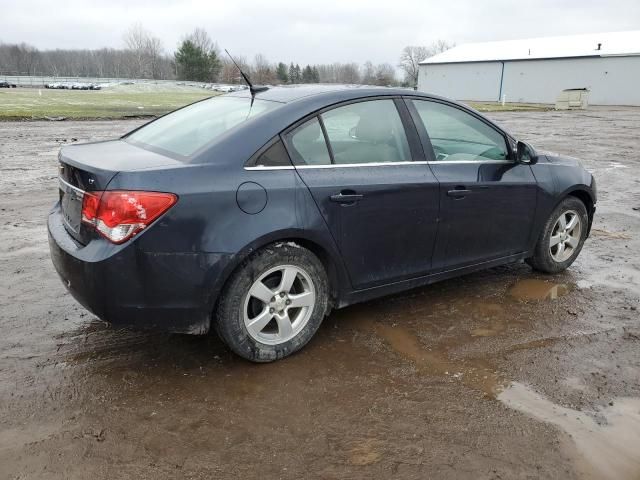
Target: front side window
pixel 367 132
pixel 457 135
pixel 185 131
pixel 307 146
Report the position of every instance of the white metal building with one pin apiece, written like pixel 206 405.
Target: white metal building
pixel 537 70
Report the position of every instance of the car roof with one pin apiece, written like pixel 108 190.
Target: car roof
pixel 291 93
pixel 297 102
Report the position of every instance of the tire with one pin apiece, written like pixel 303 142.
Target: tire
pixel 297 292
pixel 548 258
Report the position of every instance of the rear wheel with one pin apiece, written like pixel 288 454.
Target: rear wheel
pixel 562 237
pixel 274 303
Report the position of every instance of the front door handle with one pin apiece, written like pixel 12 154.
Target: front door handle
pixel 346 197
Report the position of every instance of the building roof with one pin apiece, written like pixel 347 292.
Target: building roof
pixel 613 43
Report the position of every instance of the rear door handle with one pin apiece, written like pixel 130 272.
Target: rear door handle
pixel 344 197
pixel 459 192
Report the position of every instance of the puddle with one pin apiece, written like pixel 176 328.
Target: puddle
pixel 444 319
pixel 533 289
pixel 496 326
pixel 474 373
pixel 610 448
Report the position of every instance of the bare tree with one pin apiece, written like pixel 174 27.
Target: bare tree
pixel 263 72
pixel 201 39
pixel 136 41
pixel 153 50
pixel 147 51
pixel 385 75
pixel 145 57
pixel 411 57
pixel 20 58
pixel 349 73
pixel 106 62
pixel 440 46
pixel 368 74
pixel 229 73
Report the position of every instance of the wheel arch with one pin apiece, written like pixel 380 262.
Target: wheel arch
pixel 586 197
pixel 539 256
pixel 330 259
pixel 579 191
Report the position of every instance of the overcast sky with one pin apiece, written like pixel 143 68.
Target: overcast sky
pixel 319 31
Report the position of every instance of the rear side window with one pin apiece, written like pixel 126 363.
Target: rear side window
pixel 185 131
pixel 307 145
pixel 457 135
pixel 274 156
pixel 367 132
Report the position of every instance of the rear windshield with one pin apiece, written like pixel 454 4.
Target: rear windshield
pixel 186 130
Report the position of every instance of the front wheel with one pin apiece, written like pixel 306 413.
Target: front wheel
pixel 274 303
pixel 562 237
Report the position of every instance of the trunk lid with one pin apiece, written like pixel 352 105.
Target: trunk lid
pixel 91 167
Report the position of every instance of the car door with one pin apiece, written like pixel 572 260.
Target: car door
pixel 487 200
pixel 365 169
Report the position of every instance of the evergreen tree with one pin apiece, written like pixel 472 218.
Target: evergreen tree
pixel 316 74
pixel 282 73
pixel 292 73
pixel 195 64
pixel 307 75
pixel 298 73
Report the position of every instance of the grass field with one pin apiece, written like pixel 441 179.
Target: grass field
pixel 114 102
pixel 122 101
pixel 508 107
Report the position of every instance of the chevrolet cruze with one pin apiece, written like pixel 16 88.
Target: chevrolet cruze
pixel 255 214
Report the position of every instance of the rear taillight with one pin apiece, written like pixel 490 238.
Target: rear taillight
pixel 118 215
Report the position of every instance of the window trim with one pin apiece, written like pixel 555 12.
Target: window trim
pixel 412 123
pixel 325 135
pixel 426 139
pixel 413 139
pixel 378 164
pixel 333 106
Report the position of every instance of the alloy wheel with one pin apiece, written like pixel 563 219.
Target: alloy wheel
pixel 279 304
pixel 565 236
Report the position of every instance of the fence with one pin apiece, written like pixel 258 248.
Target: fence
pixel 42 80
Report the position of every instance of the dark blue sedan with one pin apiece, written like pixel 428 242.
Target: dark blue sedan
pixel 256 217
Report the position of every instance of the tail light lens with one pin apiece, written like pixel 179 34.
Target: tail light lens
pixel 118 215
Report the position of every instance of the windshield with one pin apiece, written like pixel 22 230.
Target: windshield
pixel 186 130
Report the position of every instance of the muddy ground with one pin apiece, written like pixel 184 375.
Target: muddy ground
pixel 501 374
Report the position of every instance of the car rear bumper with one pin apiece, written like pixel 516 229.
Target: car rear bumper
pixel 125 286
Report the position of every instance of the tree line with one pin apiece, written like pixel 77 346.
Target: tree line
pixel 198 58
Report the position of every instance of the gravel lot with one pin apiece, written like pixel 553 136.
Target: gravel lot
pixel 500 374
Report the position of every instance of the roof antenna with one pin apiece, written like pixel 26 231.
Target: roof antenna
pixel 252 89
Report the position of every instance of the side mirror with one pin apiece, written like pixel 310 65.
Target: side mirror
pixel 526 154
